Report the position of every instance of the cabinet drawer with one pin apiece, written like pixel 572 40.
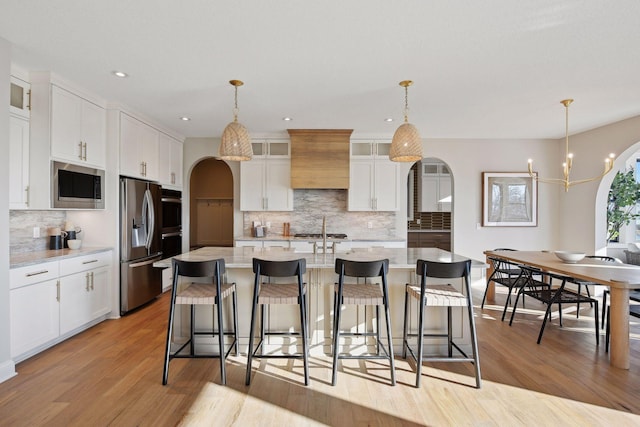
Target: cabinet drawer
pixel 23 276
pixel 84 262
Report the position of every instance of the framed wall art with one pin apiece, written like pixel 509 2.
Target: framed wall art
pixel 509 199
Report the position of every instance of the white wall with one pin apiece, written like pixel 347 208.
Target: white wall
pixel 7 367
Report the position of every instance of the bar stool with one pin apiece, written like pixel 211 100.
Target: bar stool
pixel 274 291
pixel 364 293
pixel 211 293
pixel 440 296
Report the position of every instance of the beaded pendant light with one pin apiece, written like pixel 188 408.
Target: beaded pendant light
pixel 406 145
pixel 236 143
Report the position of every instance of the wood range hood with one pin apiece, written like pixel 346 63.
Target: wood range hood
pixel 320 158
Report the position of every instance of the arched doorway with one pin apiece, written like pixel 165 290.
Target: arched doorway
pixel 430 205
pixel 211 204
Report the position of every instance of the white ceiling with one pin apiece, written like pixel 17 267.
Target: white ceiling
pixel 482 69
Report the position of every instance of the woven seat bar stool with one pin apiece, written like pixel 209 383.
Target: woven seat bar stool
pixel 362 292
pixel 440 295
pixel 212 293
pixel 282 284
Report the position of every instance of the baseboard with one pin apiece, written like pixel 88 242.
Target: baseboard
pixel 7 370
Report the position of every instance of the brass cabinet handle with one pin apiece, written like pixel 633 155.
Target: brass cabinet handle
pixel 87 282
pixel 37 272
pixel 58 290
pixel 80 147
pixel 92 280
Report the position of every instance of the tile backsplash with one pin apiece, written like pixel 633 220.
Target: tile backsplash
pixel 310 206
pixel 21 224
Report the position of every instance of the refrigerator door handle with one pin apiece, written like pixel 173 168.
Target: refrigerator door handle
pixel 148 213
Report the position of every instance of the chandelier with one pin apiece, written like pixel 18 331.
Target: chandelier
pixel 568 160
pixel 406 145
pixel 235 143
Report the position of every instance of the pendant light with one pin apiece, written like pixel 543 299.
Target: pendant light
pixel 568 160
pixel 406 145
pixel 235 143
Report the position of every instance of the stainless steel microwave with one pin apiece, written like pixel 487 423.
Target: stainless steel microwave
pixel 76 187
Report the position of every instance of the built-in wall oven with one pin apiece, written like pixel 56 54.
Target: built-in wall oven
pixel 171 223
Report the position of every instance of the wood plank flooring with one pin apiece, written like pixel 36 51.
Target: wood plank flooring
pixel 111 375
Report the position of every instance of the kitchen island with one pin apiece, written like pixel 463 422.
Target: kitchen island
pixel 320 278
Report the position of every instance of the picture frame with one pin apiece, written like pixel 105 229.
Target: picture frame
pixel 509 199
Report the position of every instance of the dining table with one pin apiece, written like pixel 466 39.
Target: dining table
pixel 618 277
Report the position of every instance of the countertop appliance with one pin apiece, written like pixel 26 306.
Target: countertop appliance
pixel 140 243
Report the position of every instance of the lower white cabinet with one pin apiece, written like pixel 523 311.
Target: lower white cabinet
pixel 51 299
pixel 34 313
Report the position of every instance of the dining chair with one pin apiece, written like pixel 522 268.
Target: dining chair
pixel 213 293
pixel 504 273
pixel 278 283
pixel 634 311
pixel 587 283
pixel 440 295
pixel 367 286
pixel 543 290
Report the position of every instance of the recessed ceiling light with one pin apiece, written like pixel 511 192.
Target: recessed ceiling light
pixel 287 119
pixel 120 74
pixel 184 118
pixel 388 119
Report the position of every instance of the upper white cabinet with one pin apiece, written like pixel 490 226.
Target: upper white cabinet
pixel 78 129
pixel 170 162
pixel 20 97
pixel 265 185
pixel 138 148
pixel 435 187
pixel 265 181
pixel 18 162
pixel 373 178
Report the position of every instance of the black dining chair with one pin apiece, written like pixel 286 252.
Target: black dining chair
pixel 587 283
pixel 505 273
pixel 440 295
pixel 543 290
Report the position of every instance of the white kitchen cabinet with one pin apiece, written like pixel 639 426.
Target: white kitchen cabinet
pixel 78 129
pixel 33 306
pixel 170 162
pixel 138 148
pixel 373 185
pixel 51 299
pixel 271 149
pixel 265 185
pixel 435 188
pixel 20 97
pixel 84 282
pixel 18 162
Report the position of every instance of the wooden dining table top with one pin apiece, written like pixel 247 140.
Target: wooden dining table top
pixel 614 275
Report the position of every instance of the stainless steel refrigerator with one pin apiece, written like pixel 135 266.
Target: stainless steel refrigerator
pixel 140 243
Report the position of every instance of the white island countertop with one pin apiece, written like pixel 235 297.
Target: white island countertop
pixel 241 257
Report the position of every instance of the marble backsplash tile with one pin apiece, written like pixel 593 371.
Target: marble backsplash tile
pixel 310 206
pixel 21 224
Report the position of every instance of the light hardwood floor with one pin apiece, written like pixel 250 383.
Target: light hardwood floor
pixel 111 375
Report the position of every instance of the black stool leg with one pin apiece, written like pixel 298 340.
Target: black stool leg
pixel 235 321
pixel 406 322
pixel 305 343
pixel 336 336
pixel 223 371
pixel 421 304
pixel 251 331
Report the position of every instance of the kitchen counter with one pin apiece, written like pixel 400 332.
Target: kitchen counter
pixel 30 258
pixel 313 239
pixel 241 257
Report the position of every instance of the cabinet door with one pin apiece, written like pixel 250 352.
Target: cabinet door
pixel 18 162
pixel 99 295
pixel 75 301
pixel 386 177
pixel 149 138
pixel 34 315
pixel 444 193
pixel 429 194
pixel 130 151
pixel 252 175
pixel 93 134
pixel 278 192
pixel 20 97
pixel 170 162
pixel 66 130
pixel 361 185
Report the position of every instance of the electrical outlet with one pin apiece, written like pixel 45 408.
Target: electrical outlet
pixel 369 224
pixel 418 221
pixel 36 232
